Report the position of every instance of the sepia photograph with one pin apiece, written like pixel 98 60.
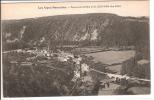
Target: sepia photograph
pixel 75 49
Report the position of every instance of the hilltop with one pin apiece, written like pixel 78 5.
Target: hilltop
pixel 101 29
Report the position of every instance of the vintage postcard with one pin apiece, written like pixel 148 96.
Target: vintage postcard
pixel 75 48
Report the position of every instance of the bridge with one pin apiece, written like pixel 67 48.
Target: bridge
pixel 120 76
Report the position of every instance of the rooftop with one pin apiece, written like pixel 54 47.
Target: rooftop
pixel 143 61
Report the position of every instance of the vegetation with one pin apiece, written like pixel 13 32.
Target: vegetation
pixel 112 31
pixel 44 77
pixel 131 68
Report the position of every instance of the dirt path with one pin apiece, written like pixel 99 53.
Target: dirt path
pixel 108 91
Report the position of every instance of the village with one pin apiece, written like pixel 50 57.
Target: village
pixel 81 73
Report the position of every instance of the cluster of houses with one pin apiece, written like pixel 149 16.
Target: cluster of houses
pixel 80 69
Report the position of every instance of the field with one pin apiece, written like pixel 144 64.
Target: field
pixel 111 57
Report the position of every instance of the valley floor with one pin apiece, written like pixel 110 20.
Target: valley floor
pixel 30 67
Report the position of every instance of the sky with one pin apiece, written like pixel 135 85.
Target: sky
pixel 33 10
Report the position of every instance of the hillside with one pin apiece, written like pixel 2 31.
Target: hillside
pixel 100 29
